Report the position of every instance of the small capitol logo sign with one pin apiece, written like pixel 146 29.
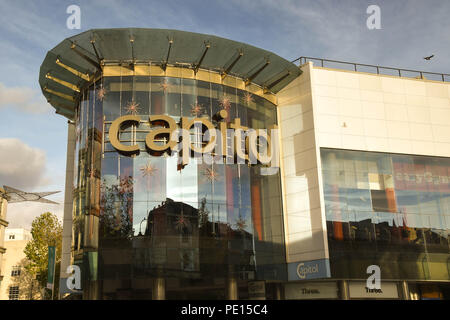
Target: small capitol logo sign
pixel 303 271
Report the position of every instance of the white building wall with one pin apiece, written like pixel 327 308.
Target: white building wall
pixel 305 228
pixel 13 258
pixel 370 112
pixel 12 234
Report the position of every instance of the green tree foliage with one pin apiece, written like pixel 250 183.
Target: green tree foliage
pixel 116 209
pixel 46 231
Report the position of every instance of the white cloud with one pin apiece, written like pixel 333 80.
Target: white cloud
pixel 23 98
pixel 21 215
pixel 24 167
pixel 21 166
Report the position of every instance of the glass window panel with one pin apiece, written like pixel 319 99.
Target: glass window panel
pixel 190 106
pixel 142 95
pixel 111 99
pixel 405 211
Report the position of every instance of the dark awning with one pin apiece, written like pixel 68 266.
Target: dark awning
pixel 85 52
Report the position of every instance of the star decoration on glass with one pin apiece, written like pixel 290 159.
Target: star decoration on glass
pixel 211 174
pixel 164 85
pixel 196 108
pixel 148 170
pixel 181 222
pixel 101 93
pixel 240 224
pixel 132 107
pixel 225 102
pixel 248 98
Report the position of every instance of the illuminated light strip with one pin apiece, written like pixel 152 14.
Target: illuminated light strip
pixel 178 72
pixel 79 74
pixel 64 83
pixel 59 94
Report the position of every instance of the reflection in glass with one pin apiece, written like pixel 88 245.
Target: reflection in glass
pixel 143 217
pixel 387 209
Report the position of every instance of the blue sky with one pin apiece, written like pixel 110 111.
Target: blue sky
pixel 411 29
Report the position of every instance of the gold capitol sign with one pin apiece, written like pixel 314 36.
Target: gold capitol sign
pixel 231 141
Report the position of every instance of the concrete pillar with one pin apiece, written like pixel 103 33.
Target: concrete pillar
pixel 68 203
pixel 159 288
pixel 343 288
pixel 3 204
pixel 232 288
pixel 278 291
pixel 405 291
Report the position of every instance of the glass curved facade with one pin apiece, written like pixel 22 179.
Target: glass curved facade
pixel 141 218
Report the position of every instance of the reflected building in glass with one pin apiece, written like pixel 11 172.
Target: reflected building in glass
pixel 142 225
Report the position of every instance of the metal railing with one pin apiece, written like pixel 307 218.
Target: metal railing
pixel 326 63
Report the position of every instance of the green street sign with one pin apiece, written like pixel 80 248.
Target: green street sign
pixel 51 267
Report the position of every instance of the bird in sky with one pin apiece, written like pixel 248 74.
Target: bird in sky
pixel 429 57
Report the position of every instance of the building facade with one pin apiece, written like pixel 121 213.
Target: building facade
pixel 366 182
pixel 3 225
pixel 17 284
pixel 12 195
pixel 314 175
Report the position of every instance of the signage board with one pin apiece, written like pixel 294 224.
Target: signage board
pixel 257 290
pixel 306 270
pixel 311 290
pixel 358 289
pixel 229 140
pixel 51 267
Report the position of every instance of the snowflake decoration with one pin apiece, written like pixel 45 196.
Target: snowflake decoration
pixel 196 108
pixel 164 85
pixel 248 98
pixel 132 107
pixel 148 170
pixel 240 224
pixel 101 93
pixel 225 102
pixel 181 222
pixel 211 174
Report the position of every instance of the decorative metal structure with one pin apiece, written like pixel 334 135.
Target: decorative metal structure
pixel 14 196
pixel 79 60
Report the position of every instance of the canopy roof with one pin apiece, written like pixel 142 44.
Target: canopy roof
pixel 73 63
pixel 14 195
